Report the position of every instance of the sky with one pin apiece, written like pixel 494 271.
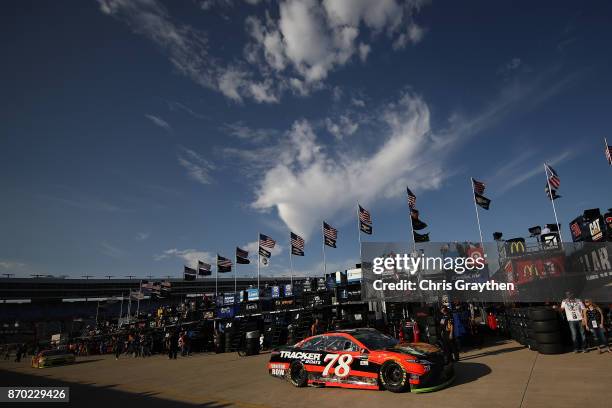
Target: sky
pixel 140 136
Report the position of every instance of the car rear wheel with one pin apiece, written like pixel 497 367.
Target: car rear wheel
pixel 393 377
pixel 298 375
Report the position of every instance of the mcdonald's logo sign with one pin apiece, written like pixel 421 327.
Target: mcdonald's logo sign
pixel 530 272
pixel 515 247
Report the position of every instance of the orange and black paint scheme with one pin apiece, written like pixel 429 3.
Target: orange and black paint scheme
pixel 363 359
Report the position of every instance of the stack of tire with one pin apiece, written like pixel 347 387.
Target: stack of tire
pixel 546 330
pixel 519 323
pixel 432 330
pixel 503 324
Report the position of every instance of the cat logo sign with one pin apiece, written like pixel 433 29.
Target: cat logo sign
pixel 517 247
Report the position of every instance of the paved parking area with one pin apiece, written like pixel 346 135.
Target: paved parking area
pixel 502 375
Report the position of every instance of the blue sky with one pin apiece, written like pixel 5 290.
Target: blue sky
pixel 137 136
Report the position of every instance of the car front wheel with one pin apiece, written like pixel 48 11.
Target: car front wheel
pixel 298 375
pixel 393 377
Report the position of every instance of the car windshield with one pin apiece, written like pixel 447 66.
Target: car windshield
pixel 375 340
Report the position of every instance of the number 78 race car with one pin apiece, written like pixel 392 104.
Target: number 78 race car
pixel 364 359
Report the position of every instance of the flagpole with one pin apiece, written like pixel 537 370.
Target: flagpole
pixel 138 300
pixel 120 311
pixel 411 227
pixel 324 264
pixel 359 232
pixel 291 259
pixel 477 216
pixel 258 260
pixel 552 201
pixel 235 271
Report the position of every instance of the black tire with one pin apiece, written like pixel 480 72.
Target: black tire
pixel 547 326
pixel 393 377
pixel 297 375
pixel 548 338
pixel 532 345
pixel 554 348
pixel 542 315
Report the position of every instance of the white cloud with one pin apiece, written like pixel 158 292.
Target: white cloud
pixel 305 169
pixel 414 34
pixel 159 122
pixel 111 250
pixel 189 256
pixel 514 172
pixel 343 127
pixel 358 102
pixel 255 135
pixel 512 66
pixel 253 249
pixel 177 106
pixel 364 50
pixel 10 265
pixel 197 167
pixel 293 52
pixel 142 236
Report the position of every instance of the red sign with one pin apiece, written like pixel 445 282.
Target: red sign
pixel 528 270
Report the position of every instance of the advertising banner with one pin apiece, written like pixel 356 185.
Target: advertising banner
pixel 252 294
pixel 226 312
pixel 353 275
pixel 529 270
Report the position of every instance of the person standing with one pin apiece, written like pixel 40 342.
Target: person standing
pixel 117 347
pixel 446 334
pixel 594 322
pixel 173 345
pixel 573 308
pixel 315 328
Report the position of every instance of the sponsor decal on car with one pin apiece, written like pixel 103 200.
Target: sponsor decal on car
pixel 308 358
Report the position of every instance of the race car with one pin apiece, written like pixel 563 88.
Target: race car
pixel 364 359
pixel 50 358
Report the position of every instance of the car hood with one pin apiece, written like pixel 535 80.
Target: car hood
pixel 415 349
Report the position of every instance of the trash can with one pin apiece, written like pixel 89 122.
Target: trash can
pixel 252 342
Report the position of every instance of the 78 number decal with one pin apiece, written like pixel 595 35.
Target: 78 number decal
pixel 342 369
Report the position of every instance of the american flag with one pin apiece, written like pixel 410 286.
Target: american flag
pixel 329 231
pixel 551 193
pixel 223 262
pixel 189 273
pixel 609 154
pixel 204 269
pixel 297 241
pixel 553 177
pixel 411 198
pixel 266 242
pixel 479 186
pixel 241 253
pixel 364 215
